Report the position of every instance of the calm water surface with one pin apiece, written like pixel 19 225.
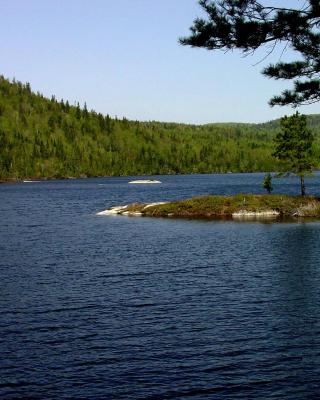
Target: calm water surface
pixel 95 307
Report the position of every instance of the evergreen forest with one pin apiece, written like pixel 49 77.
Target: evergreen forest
pixel 48 138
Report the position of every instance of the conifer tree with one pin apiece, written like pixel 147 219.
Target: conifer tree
pixel 267 183
pixel 250 24
pixel 78 111
pixel 294 146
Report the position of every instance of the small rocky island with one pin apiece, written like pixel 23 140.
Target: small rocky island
pixel 240 206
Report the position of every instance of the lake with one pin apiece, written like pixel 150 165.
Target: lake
pixel 115 307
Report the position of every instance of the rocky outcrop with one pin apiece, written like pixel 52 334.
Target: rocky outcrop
pixel 133 210
pixel 244 214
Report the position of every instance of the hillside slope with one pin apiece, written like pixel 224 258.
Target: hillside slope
pixel 47 138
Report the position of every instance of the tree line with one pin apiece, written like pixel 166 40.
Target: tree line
pixel 50 138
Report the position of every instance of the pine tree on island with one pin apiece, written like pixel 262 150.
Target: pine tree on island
pixel 267 183
pixel 293 146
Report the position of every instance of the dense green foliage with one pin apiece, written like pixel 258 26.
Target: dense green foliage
pixel 47 138
pixel 250 24
pixel 293 146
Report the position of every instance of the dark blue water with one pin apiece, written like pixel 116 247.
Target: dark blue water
pixel 95 307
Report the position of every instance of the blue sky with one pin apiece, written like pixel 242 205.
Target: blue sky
pixel 122 57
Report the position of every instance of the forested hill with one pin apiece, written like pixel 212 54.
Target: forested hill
pixel 47 138
pixel 313 121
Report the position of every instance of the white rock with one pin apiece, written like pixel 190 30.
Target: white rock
pixel 155 204
pixel 255 214
pixel 141 181
pixel 132 213
pixel 113 210
pixel 122 210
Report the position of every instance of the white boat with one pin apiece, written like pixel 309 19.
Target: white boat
pixel 145 181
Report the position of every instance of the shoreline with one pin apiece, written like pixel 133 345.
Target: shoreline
pixel 238 207
pixel 84 176
pixel 62 178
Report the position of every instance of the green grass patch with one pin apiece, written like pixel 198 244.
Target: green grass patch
pixel 224 206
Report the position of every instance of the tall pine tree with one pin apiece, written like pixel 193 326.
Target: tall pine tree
pixel 294 146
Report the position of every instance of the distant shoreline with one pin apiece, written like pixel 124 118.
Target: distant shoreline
pixel 148 176
pixel 44 179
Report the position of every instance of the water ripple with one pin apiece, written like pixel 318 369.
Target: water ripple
pixel 121 308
